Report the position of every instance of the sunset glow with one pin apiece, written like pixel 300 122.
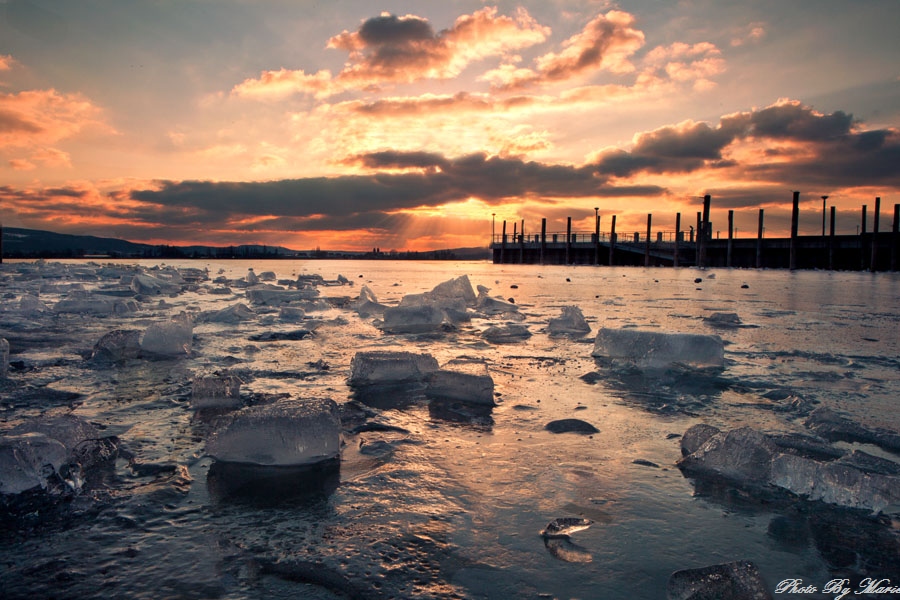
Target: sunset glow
pixel 413 126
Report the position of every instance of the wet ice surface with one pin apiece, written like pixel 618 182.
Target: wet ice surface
pixel 435 498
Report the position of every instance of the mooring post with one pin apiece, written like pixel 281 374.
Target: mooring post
pixel 873 266
pixel 831 241
pixel 503 242
pixel 543 238
pixel 677 234
pixel 522 243
pixel 795 223
pixel 696 240
pixel 568 240
pixel 862 240
pixel 647 242
pixel 895 237
pixel 705 230
pixel 759 239
pixel 730 238
pixel 612 241
pixel 596 238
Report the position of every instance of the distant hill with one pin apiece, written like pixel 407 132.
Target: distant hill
pixel 34 243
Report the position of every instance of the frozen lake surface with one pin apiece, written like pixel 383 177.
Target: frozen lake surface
pixel 440 499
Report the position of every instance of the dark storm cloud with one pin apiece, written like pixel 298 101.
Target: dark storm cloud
pixel 827 150
pixel 364 201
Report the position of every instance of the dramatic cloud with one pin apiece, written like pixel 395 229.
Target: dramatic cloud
pixel 606 43
pixel 395 49
pixel 821 148
pixel 695 64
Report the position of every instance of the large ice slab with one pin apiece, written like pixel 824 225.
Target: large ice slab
pixel 233 314
pixel 510 333
pixel 464 380
pixel 387 368
pixel 656 349
pixel 367 304
pixel 288 433
pixel 28 460
pixel 458 289
pixel 172 338
pixel 147 285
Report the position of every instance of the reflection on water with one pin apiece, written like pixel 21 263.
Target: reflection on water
pixel 437 499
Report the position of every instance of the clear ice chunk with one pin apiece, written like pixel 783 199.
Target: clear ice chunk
pixel 510 333
pixel 93 305
pixel 147 285
pixel 216 391
pixel 173 338
pixel 28 460
pixel 233 314
pixel 288 433
pixel 459 288
pixel 118 345
pixel 385 368
pixel 657 350
pixel 413 319
pixel 367 304
pixel 278 296
pixel 570 322
pixel 464 380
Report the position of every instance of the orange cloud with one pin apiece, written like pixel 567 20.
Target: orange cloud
pixel 392 49
pixel 690 63
pixel 606 43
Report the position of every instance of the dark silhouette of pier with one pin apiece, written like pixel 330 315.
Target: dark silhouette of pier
pixel 873 250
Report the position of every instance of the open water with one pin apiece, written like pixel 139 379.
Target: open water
pixel 449 502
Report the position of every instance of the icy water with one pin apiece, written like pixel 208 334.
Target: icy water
pixel 444 501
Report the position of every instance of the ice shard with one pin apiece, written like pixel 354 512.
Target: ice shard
pixel 216 391
pixel 570 322
pixel 118 345
pixel 414 319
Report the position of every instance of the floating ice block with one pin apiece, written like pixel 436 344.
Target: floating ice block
pixel 170 339
pixel 413 319
pixel 468 381
pixel 28 460
pixel 216 391
pixel 570 322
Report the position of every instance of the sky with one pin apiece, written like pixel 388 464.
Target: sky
pixel 424 125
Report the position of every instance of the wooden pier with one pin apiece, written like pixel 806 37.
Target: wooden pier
pixel 873 250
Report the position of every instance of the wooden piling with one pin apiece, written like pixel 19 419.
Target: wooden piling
pixel 597 240
pixel 873 264
pixel 503 242
pixel 543 238
pixel 705 230
pixel 697 238
pixel 862 240
pixel 831 240
pixel 730 238
pixel 522 243
pixel 612 242
pixel 795 224
pixel 568 240
pixel 895 237
pixel 647 242
pixel 759 239
pixel 677 235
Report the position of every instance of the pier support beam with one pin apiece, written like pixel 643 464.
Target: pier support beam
pixel 522 243
pixel 647 242
pixel 895 237
pixel 730 238
pixel 862 240
pixel 543 238
pixel 759 239
pixel 831 240
pixel 596 237
pixel 568 240
pixel 612 242
pixel 705 231
pixel 795 223
pixel 503 243
pixel 873 265
pixel 677 235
